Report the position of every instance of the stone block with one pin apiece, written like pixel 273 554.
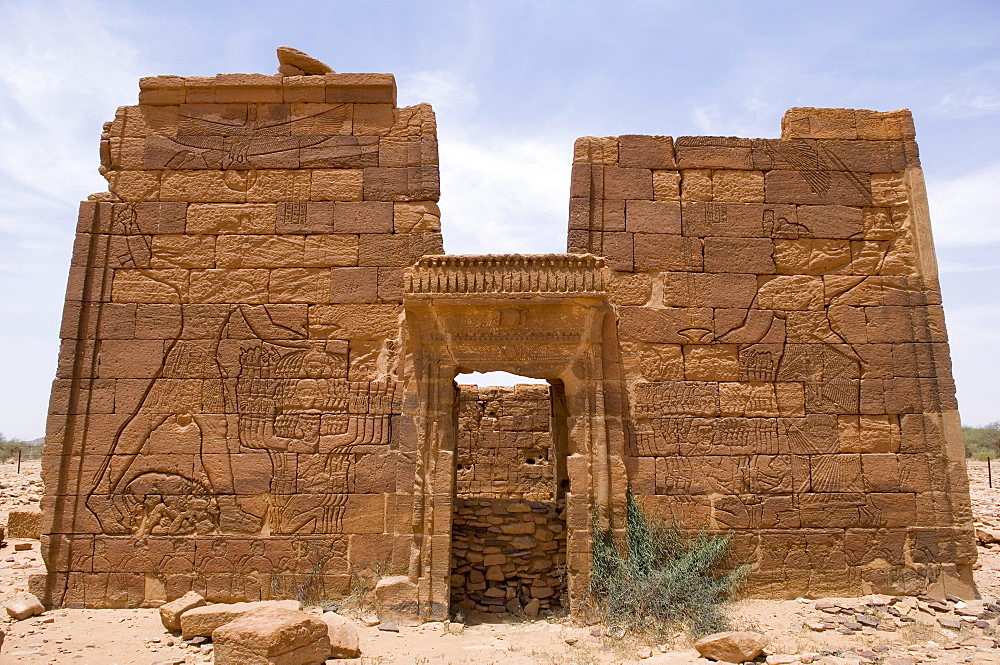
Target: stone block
pixel 711 362
pixel 596 150
pixel 655 252
pixel 739 255
pixel 171 612
pixel 24 523
pixel 343 636
pixel 731 647
pixel 23 606
pixel 272 636
pixel 360 88
pixel 202 621
pixel 884 126
pixel 337 185
pixel 396 599
pixel 819 123
pixel 667 185
pixel 646 152
pixel 818 188
pixel 696 185
pixel 652 217
pixel 416 183
pixel 616 248
pixel 628 183
pixel 682 289
pixel 416 217
pixel 712 152
pixel 396 250
pixel 363 217
pixel 738 186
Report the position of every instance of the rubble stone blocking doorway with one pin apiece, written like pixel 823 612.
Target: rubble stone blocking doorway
pixel 509 524
pixel 542 316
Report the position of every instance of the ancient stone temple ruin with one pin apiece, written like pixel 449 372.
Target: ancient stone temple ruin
pixel 256 392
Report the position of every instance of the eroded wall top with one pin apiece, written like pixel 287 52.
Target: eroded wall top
pixel 781 327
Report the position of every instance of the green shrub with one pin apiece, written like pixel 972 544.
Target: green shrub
pixel 982 442
pixel 663 579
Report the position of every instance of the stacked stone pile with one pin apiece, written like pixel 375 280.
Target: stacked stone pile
pixel 972 618
pixel 508 556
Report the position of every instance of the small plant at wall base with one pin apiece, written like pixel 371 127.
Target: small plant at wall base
pixel 663 579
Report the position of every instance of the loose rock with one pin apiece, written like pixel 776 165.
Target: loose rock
pixel 732 646
pixel 272 635
pixel 25 523
pixel 302 61
pixel 170 613
pixel 202 621
pixel 343 636
pixel 23 606
pixel 950 622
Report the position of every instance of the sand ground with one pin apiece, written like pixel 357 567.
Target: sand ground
pixel 822 631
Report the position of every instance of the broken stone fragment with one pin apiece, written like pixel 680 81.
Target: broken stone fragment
pixel 781 659
pixel 272 635
pixel 23 606
pixel 307 64
pixel 170 613
pixel 343 636
pixel 25 523
pixel 201 621
pixel 396 599
pixel 731 647
pixel 950 622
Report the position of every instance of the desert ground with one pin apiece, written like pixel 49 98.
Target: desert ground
pixel 833 631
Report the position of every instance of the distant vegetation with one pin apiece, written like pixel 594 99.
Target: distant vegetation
pixel 29 449
pixel 982 442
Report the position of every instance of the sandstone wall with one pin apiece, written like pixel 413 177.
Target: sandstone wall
pixel 788 368
pixel 245 408
pixel 504 443
pixel 226 413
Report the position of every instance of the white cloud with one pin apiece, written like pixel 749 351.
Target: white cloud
pixel 445 90
pixel 749 117
pixel 63 70
pixel 974 333
pixel 500 193
pixel 964 209
pixel 505 195
pixel 969 104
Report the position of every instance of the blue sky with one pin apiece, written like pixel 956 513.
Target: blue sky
pixel 513 84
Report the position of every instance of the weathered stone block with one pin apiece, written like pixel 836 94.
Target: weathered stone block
pixel 272 636
pixel 171 613
pixel 24 523
pixel 202 621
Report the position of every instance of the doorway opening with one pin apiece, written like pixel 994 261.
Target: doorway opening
pixel 509 518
